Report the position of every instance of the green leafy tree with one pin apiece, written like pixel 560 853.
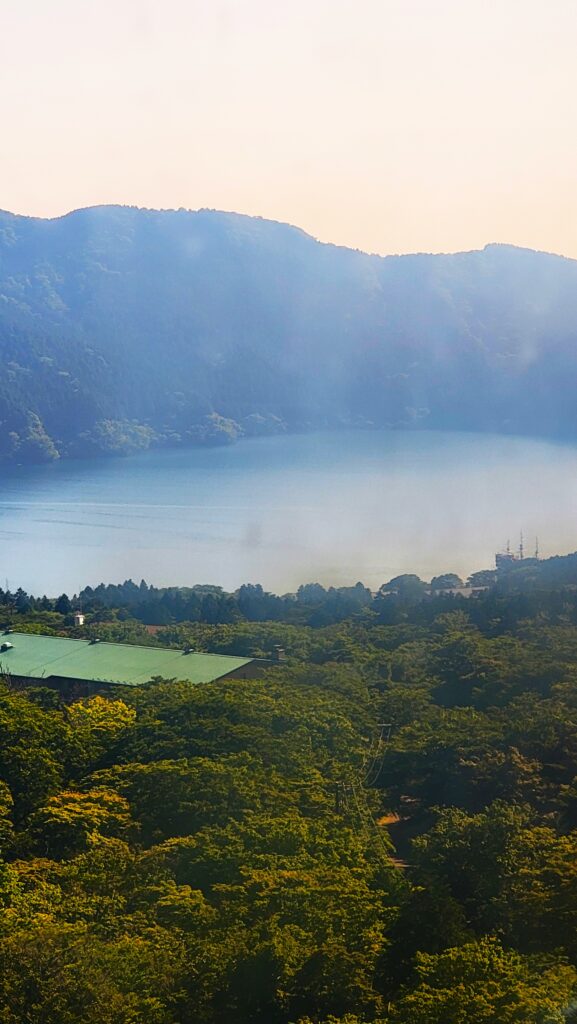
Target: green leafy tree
pixel 446 581
pixel 64 974
pixel 68 822
pixel 484 983
pixel 6 822
pixel 34 745
pixel 98 729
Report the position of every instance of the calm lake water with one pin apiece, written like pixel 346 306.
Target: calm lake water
pixel 280 511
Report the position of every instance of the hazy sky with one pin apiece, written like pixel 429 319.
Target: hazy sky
pixel 389 125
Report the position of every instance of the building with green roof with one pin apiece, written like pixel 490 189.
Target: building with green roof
pixel 79 667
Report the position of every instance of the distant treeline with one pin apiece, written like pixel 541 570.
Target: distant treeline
pixel 403 598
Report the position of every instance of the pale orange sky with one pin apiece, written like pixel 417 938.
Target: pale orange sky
pixel 387 125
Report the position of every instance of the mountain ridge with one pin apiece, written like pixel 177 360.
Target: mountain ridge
pixel 122 327
pixel 280 223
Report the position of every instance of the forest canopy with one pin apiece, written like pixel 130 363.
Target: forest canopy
pixel 382 829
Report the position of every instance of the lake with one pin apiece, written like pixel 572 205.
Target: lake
pixel 334 507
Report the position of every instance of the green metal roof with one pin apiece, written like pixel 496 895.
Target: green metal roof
pixel 40 657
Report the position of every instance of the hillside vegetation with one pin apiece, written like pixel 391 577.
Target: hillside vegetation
pixel 121 328
pixel 381 831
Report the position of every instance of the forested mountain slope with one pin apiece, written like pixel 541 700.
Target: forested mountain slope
pixel 121 327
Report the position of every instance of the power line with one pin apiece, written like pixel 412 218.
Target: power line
pixel 373 776
pixel 369 774
pixel 369 818
pixel 369 763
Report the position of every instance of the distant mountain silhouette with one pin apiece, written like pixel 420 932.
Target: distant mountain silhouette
pixel 122 327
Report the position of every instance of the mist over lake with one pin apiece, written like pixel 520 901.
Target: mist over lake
pixel 334 507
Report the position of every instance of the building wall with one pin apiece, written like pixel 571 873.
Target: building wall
pixel 254 670
pixel 68 689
